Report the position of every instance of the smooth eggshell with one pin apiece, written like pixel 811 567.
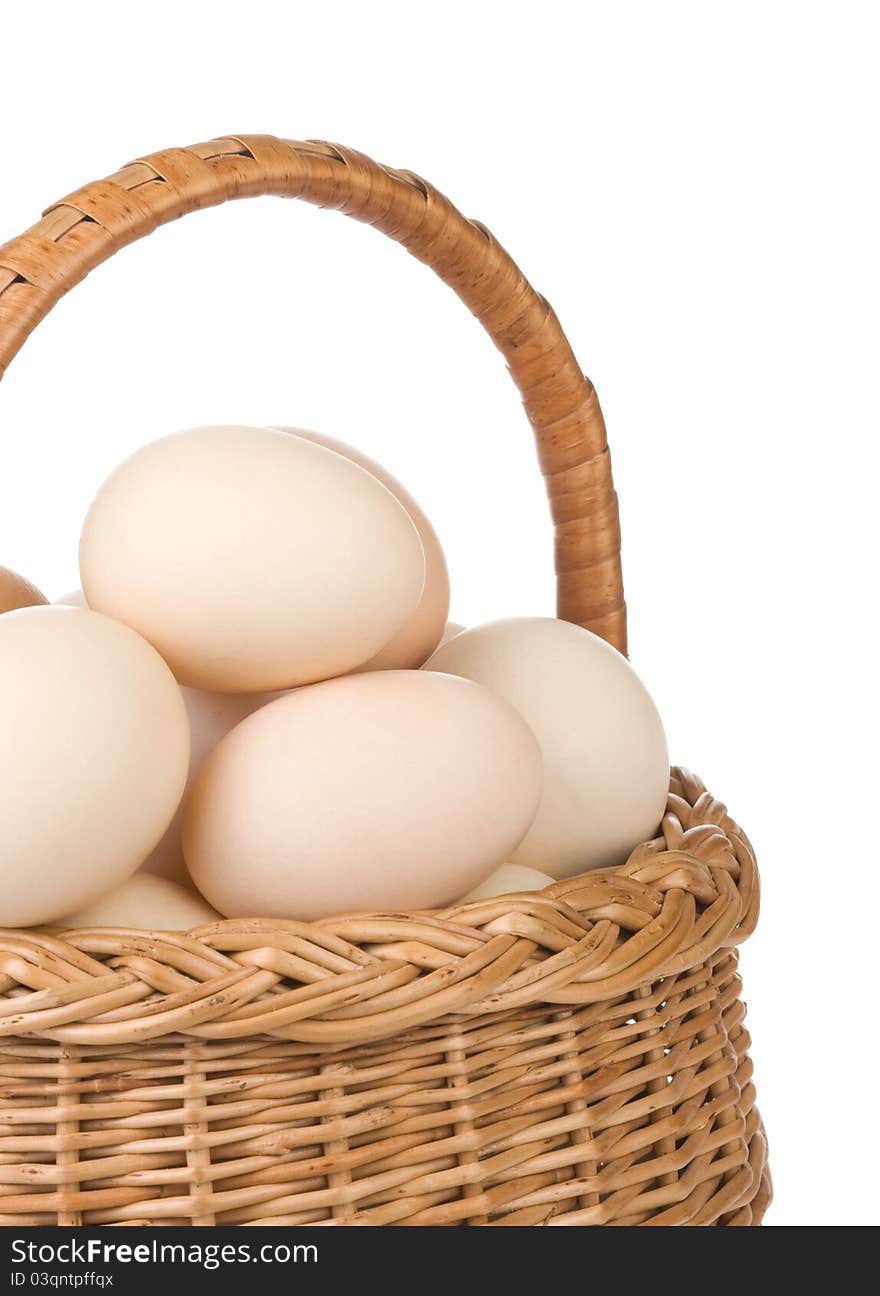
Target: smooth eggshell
pixel 16 592
pixel 606 764
pixel 251 559
pixel 94 749
pixel 144 902
pixel 411 645
pixel 510 877
pixel 451 629
pixel 394 789
pixel 211 716
pixel 75 598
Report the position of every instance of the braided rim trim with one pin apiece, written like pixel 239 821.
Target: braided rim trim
pixel 347 980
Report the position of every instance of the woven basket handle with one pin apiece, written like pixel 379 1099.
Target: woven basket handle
pixel 86 228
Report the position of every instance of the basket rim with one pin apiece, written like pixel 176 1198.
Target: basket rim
pixel 690 893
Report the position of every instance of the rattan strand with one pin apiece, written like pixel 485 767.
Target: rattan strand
pixel 569 1057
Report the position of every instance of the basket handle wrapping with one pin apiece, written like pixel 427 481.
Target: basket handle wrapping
pixel 86 228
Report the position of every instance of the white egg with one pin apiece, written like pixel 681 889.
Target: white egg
pixel 606 764
pixel 211 716
pixel 144 902
pixel 412 644
pixel 75 598
pixel 451 629
pixel 393 789
pixel 94 749
pixel 251 559
pixel 510 877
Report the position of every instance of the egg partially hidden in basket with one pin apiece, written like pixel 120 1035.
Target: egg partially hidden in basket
pixel 211 716
pixel 606 764
pixel 144 901
pixel 252 559
pixel 509 878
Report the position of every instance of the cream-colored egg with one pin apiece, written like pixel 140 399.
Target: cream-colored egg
pixel 211 716
pixel 394 789
pixel 606 764
pixel 413 643
pixel 251 559
pixel 451 629
pixel 75 598
pixel 508 878
pixel 16 592
pixel 144 902
pixel 94 748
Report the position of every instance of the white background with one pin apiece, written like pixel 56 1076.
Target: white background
pixel 694 187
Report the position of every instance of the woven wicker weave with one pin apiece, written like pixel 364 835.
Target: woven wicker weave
pixel 573 1056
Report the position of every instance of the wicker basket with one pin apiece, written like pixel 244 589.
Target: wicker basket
pixel 573 1056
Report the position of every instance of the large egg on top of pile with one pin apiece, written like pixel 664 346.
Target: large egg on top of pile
pixel 251 559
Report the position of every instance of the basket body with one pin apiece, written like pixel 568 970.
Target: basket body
pixel 526 1117
pixel 548 1097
